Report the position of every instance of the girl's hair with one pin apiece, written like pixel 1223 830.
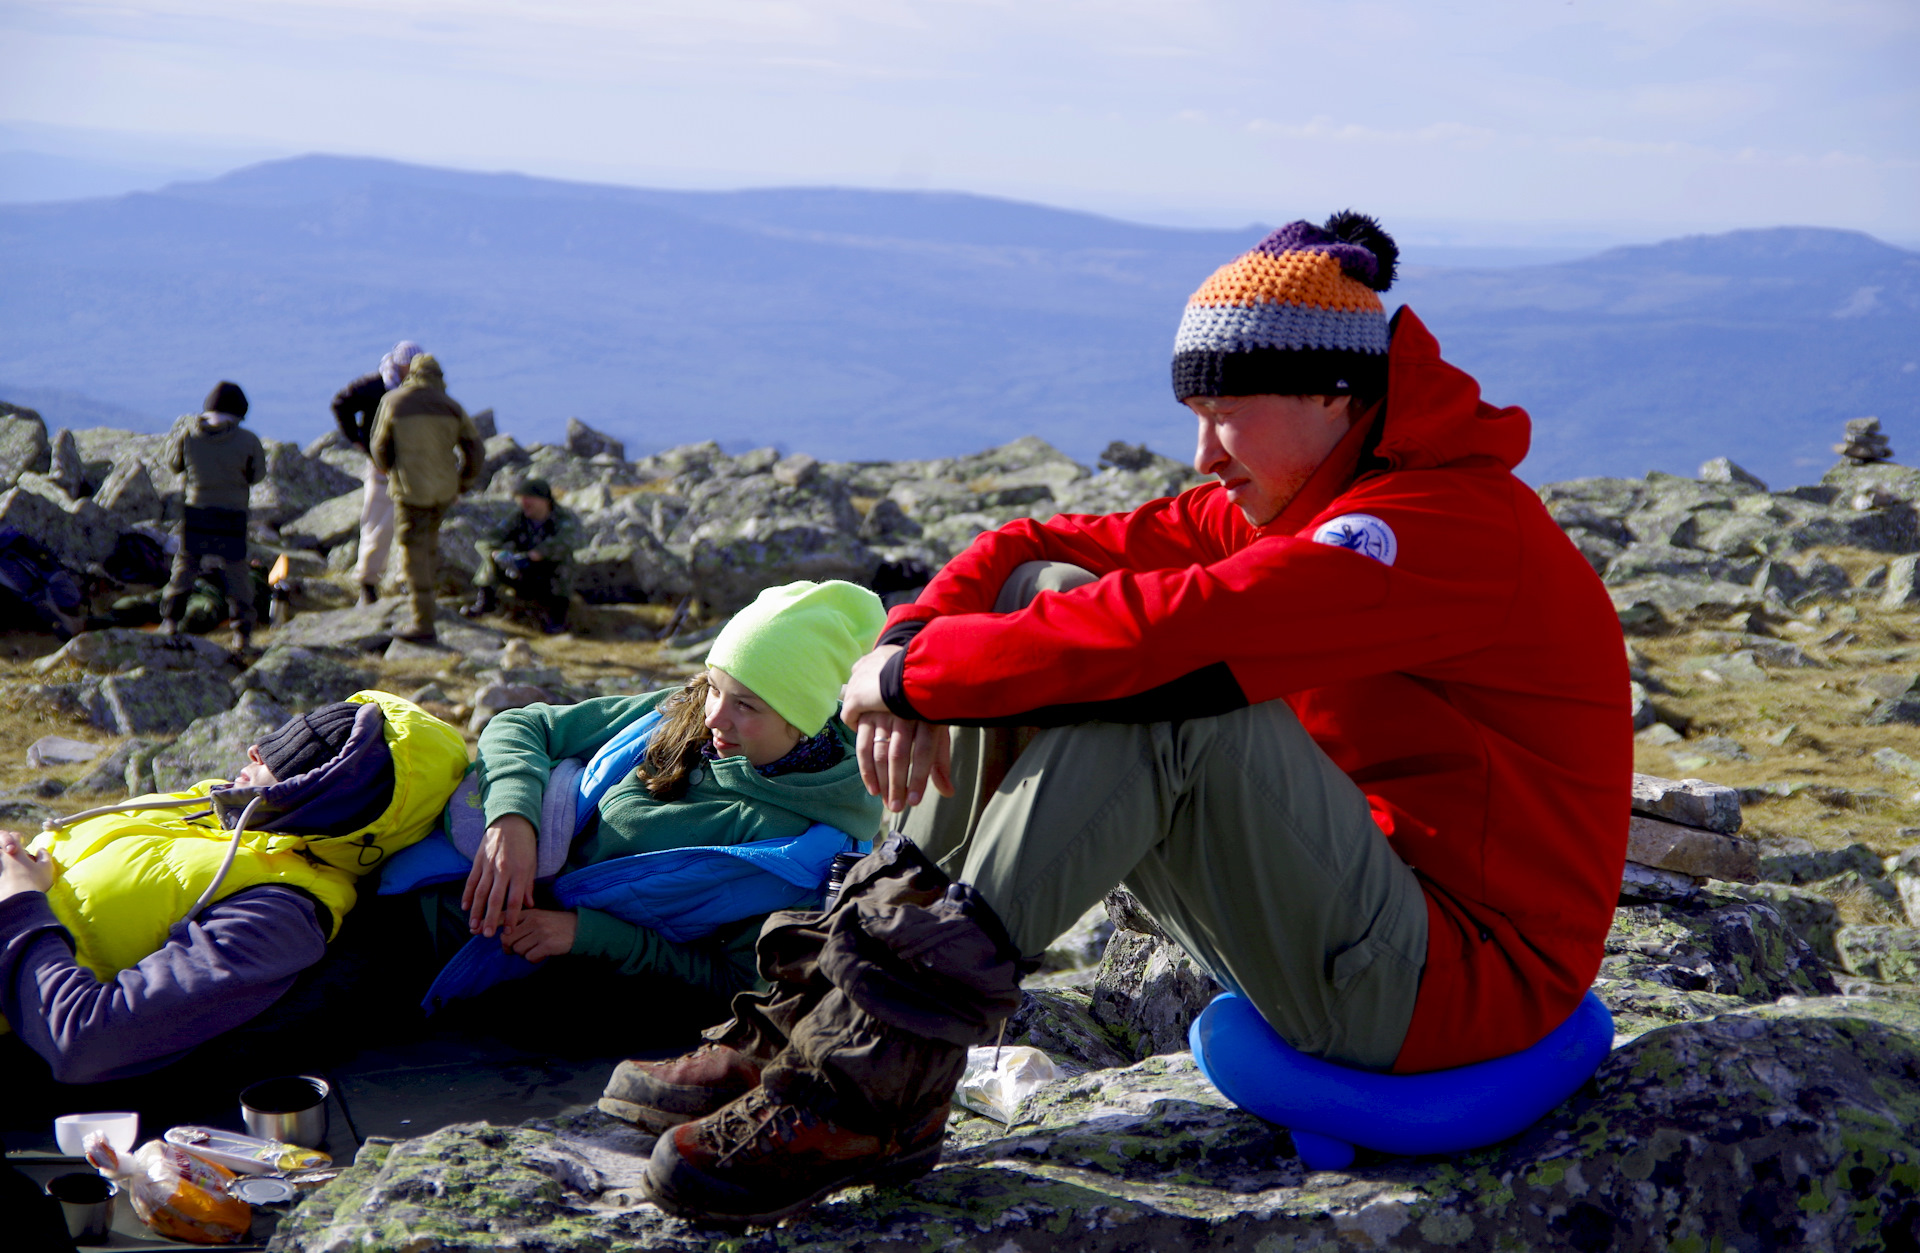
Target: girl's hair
pixel 675 748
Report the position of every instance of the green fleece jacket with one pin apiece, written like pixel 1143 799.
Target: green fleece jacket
pixel 727 802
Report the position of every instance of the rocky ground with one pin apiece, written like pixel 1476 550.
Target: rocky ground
pixel 1764 970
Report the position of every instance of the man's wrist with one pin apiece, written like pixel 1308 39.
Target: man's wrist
pixel 893 687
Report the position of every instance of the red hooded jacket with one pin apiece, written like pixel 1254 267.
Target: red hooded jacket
pixel 1474 686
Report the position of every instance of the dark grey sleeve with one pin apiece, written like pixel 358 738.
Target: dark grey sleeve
pixel 210 976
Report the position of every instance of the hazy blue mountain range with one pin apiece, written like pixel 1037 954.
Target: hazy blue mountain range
pixel 862 324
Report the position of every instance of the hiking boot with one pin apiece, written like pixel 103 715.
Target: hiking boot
pixel 417 635
pixel 169 626
pixel 655 1096
pixel 759 1160
pixel 860 1093
pixel 369 593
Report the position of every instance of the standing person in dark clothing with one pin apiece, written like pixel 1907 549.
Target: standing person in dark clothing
pixel 355 408
pixel 532 559
pixel 428 446
pixel 221 463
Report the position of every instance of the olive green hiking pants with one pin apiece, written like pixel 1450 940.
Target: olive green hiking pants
pixel 1240 835
pixel 417 531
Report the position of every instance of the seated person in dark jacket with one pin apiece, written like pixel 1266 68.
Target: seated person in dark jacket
pixel 532 559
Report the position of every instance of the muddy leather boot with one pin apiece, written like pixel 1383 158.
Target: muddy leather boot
pixel 657 1095
pixel 860 1094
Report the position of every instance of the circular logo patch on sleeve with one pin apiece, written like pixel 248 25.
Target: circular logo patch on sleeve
pixel 1361 532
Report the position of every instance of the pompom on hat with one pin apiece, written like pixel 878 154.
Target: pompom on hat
pixel 1298 315
pixel 795 645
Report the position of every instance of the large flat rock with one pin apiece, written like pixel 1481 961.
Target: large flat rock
pixel 1791 1125
pixel 1689 850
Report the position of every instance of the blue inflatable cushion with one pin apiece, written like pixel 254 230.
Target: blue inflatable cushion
pixel 1330 1108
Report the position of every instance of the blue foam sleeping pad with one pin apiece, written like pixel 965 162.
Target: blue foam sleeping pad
pixel 680 893
pixel 1329 1109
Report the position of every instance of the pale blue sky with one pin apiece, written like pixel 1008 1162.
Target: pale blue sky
pixel 1473 121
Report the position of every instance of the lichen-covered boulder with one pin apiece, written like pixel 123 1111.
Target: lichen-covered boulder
pixel 1883 953
pixel 117 650
pixel 1785 1126
pixel 23 444
pixel 584 441
pixel 1083 944
pixel 1059 1021
pixel 294 483
pixel 359 628
pixel 634 569
pixel 128 494
pixel 300 678
pixel 139 701
pixel 326 524
pixel 158 702
pixel 1813 917
pixel 108 778
pixel 1119 489
pixel 1714 944
pixel 1148 992
pixel 730 564
pixel 216 747
pixel 77 532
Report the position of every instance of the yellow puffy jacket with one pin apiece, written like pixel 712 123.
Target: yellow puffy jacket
pixel 126 878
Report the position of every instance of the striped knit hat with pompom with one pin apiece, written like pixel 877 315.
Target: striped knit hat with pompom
pixel 1299 315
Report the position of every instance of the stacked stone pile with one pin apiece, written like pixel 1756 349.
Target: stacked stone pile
pixel 1864 443
pixel 1682 834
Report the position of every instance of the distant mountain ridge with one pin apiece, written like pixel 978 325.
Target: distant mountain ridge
pixel 860 324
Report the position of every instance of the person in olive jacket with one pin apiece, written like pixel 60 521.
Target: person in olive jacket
pixel 354 409
pixel 430 451
pixel 221 462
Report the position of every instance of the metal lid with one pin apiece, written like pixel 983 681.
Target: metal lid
pixel 262 1189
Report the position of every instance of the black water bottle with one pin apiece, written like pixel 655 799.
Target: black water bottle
pixel 837 876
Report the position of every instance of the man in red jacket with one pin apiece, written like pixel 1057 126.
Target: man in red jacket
pixel 1352 721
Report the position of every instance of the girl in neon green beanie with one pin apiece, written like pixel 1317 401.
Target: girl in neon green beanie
pixel 750 749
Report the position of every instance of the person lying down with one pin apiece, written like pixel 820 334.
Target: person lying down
pixel 124 940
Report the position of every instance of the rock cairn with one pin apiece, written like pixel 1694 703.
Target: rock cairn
pixel 1681 834
pixel 1865 444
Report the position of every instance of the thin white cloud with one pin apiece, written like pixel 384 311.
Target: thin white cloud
pixel 1583 110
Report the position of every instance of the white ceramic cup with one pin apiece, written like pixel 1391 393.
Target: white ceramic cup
pixel 70 1131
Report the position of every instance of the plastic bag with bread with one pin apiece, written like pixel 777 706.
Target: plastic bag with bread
pixel 179 1195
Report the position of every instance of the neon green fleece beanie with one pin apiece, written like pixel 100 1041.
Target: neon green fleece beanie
pixel 795 646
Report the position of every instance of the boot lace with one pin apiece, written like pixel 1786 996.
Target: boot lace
pixel 740 1134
